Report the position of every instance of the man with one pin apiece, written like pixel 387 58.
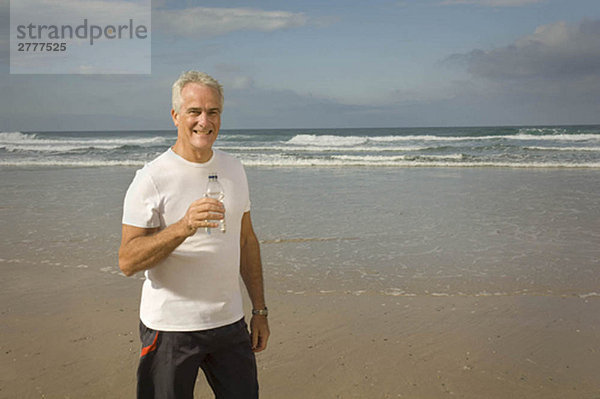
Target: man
pixel 191 307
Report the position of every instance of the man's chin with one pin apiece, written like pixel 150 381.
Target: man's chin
pixel 202 143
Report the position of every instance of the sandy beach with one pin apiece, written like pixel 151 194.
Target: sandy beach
pixel 72 333
pixel 360 311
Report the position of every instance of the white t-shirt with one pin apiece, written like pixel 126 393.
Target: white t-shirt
pixel 197 286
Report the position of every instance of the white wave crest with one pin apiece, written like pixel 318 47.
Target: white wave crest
pixel 328 140
pixel 325 149
pixel 54 148
pixel 289 161
pixel 349 141
pixel 401 161
pixel 591 149
pixel 542 130
pixel 70 163
pixel 555 137
pixel 386 159
pixel 30 142
pixel 589 295
pixel 387 139
pixel 15 136
pixel 520 136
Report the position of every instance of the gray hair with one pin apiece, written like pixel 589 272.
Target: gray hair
pixel 193 77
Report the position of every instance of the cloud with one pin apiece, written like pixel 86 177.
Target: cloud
pixel 491 3
pixel 204 22
pixel 555 51
pixel 551 75
pixel 233 77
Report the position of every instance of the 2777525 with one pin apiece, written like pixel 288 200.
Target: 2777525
pixel 25 46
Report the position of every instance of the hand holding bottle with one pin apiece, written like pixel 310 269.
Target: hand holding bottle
pixel 204 212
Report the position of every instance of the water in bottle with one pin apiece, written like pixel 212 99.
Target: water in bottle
pixel 214 189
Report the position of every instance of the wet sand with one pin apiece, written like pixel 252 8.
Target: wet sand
pixel 455 292
pixel 68 332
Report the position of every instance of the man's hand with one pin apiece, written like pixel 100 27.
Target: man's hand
pixel 259 329
pixel 204 212
pixel 142 249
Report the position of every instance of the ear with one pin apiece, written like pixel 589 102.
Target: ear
pixel 175 117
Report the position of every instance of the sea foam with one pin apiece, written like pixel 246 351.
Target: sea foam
pixel 513 147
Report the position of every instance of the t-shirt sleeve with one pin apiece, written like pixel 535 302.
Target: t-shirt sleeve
pixel 141 204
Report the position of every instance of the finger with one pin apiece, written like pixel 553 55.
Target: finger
pixel 202 223
pixel 254 340
pixel 207 223
pixel 260 346
pixel 198 215
pixel 208 202
pixel 206 208
pixel 213 215
pixel 260 337
pixel 208 220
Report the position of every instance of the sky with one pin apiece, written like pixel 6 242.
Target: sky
pixel 334 64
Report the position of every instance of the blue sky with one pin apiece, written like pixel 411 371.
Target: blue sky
pixel 321 64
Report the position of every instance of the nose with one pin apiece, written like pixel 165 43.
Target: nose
pixel 202 119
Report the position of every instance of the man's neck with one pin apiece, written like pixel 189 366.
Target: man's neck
pixel 192 155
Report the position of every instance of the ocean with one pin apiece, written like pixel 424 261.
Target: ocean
pixel 523 147
pixel 401 212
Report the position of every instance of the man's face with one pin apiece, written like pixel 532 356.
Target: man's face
pixel 198 121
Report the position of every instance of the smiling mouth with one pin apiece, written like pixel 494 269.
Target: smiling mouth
pixel 203 132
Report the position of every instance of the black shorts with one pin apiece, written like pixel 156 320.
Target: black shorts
pixel 170 361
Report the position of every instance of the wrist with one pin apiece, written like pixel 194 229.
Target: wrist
pixel 260 312
pixel 185 229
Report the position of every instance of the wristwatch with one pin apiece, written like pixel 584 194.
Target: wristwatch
pixel 261 312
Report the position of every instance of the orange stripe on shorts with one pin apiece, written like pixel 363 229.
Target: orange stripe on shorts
pixel 150 348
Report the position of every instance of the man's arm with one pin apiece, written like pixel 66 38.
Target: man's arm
pixel 143 248
pixel 251 271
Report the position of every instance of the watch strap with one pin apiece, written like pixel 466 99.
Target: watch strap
pixel 260 312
